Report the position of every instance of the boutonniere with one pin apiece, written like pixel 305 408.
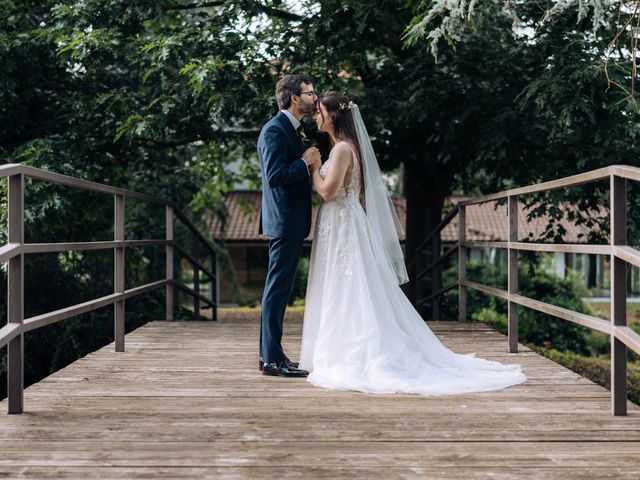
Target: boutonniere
pixel 303 135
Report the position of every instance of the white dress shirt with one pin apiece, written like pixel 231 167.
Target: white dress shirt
pixel 294 121
pixel 296 124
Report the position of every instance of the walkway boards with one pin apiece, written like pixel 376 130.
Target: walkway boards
pixel 186 401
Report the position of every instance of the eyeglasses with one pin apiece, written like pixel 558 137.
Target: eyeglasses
pixel 312 93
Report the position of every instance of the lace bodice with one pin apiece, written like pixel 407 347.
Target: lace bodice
pixel 352 183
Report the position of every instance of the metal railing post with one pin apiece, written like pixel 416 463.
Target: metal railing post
pixel 14 252
pixel 15 296
pixel 419 263
pixel 618 237
pixel 214 287
pixel 436 277
pixel 462 263
pixel 196 277
pixel 169 262
pixel 512 219
pixel 118 268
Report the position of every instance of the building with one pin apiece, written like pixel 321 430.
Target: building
pixel 248 251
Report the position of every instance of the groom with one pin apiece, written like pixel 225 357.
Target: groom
pixel 285 216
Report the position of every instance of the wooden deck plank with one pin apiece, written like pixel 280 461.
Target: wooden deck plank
pixel 186 401
pixel 335 473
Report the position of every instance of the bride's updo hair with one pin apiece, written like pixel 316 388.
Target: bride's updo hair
pixel 339 110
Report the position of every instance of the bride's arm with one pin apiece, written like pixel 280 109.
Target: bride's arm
pixel 328 187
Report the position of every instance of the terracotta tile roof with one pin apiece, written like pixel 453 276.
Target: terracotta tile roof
pixel 484 222
pixel 242 222
pixel 488 221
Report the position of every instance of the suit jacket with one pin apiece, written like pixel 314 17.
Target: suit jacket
pixel 286 193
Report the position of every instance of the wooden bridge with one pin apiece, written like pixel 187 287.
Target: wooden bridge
pixel 185 399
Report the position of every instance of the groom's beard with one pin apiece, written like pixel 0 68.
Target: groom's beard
pixel 307 109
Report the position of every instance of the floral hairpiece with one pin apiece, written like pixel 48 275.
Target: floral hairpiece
pixel 346 106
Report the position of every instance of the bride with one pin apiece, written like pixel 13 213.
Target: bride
pixel 360 332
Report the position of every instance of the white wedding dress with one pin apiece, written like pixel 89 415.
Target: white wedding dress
pixel 360 331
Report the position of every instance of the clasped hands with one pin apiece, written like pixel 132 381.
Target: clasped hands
pixel 311 157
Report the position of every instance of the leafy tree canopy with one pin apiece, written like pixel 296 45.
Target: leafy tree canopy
pixel 162 96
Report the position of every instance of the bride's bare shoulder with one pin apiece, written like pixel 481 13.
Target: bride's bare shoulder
pixel 342 149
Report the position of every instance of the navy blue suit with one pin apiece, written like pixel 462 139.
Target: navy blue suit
pixel 285 217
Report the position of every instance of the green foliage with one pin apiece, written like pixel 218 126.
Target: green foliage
pixel 549 109
pixel 608 24
pixel 163 97
pixel 130 93
pixel 533 327
pixel 104 90
pixel 299 289
pixel 50 284
pixel 542 329
pixel 497 109
pixel 147 95
pixel 596 369
pixel 577 348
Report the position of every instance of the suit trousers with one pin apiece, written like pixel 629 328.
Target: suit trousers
pixel 284 254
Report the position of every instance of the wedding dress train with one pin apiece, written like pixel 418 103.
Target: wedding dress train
pixel 360 331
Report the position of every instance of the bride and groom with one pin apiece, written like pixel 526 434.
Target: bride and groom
pixel 360 332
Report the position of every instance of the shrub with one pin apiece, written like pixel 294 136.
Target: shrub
pixel 533 327
pixel 596 369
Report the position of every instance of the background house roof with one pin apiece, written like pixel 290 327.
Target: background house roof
pixel 484 222
pixel 488 222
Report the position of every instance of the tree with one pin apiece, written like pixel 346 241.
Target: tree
pixel 435 21
pixel 143 95
pixel 430 117
pixel 162 96
pixel 566 119
pixel 123 92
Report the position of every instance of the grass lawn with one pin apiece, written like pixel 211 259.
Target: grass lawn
pixel 603 310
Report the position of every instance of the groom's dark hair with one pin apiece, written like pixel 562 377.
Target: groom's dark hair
pixel 290 85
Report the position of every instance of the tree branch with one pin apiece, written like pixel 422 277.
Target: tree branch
pixel 181 142
pixel 275 12
pixel 271 11
pixel 238 133
pixel 193 6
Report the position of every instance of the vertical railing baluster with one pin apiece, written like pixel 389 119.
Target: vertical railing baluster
pixel 618 236
pixel 118 268
pixel 214 287
pixel 421 286
pixel 436 277
pixel 169 262
pixel 462 263
pixel 196 277
pixel 15 296
pixel 512 328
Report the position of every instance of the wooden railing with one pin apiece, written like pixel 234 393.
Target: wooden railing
pixel 621 255
pixel 12 334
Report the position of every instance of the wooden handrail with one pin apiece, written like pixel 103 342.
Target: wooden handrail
pixel 12 334
pixel 9 251
pixel 83 246
pixel 543 247
pixel 193 293
pixel 440 259
pixel 12 169
pixel 621 255
pixel 572 181
pixel 189 224
pixel 437 293
pixel 196 264
pixel 8 333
